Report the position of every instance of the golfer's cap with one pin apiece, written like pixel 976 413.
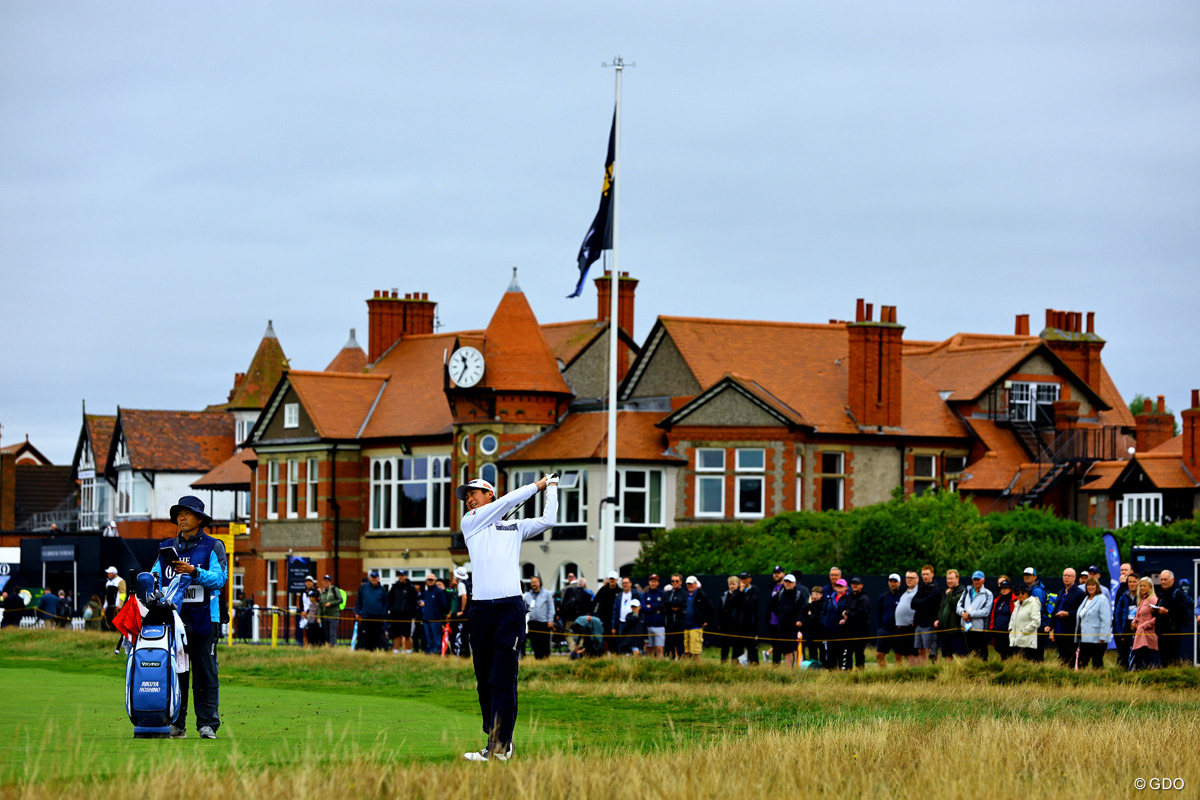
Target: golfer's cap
pixel 328 577
pixel 743 575
pixel 310 578
pixel 692 579
pixel 475 483
pixel 112 570
pixel 977 575
pixel 857 580
pixel 1094 569
pixel 614 576
pixel 1005 584
pixel 840 582
pixel 402 572
pixel 653 576
pixel 789 578
pixel 460 573
pixel 1031 571
pixel 895 576
pixel 777 568
pixel 374 573
pixel 637 603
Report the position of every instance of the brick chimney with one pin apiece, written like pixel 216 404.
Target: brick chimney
pixel 1079 349
pixel 626 287
pixel 1154 426
pixel 875 367
pixel 1022 325
pixel 391 317
pixel 1191 433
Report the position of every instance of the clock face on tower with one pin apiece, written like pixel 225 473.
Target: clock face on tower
pixel 466 366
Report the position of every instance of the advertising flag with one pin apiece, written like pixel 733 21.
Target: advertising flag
pixel 599 235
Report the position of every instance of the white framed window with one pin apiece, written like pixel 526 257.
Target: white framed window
pixel 799 482
pixel 293 487
pixel 272 490
pixel 488 444
pixel 640 493
pixel 1141 507
pixel 531 508
pixel 291 415
pixel 833 481
pixel 239 584
pixel 133 494
pixel 87 504
pixel 710 489
pixel 272 582
pixel 410 493
pixel 1030 402
pixel 572 497
pixel 750 464
pixel 924 473
pixel 311 474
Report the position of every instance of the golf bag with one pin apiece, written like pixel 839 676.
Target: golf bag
pixel 152 694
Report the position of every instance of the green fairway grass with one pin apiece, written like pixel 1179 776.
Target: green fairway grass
pixel 336 712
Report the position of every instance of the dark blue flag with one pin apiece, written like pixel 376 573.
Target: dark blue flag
pixel 599 235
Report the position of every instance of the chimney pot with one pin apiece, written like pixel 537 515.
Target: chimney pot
pixel 1091 322
pixel 859 312
pixel 395 293
pixel 870 312
pixel 1147 406
pixel 1195 398
pixel 1162 404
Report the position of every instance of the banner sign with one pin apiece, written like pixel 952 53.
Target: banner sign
pixel 298 568
pixel 58 552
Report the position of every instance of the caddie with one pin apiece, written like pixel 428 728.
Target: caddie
pixel 496 615
pixel 204 559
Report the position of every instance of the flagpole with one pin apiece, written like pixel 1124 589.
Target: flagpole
pixel 607 540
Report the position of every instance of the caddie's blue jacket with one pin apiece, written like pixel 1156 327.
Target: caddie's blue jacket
pixel 211 576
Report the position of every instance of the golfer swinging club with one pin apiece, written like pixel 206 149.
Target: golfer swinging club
pixel 496 616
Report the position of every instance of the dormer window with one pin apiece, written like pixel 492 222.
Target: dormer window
pixel 1031 402
pixel 291 415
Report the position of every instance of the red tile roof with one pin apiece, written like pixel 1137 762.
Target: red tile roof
pixel 968 364
pixel 337 403
pixel 1005 457
pixel 518 357
pixel 568 339
pixel 1166 471
pixel 802 365
pixel 232 474
pixel 263 374
pixel 176 441
pixel 414 402
pixel 583 436
pixel 350 358
pixel 100 430
pixel 1102 475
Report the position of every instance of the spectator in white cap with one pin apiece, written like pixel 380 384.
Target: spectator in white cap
pixel 697 613
pixel 634 629
pixel 602 605
pixel 885 622
pixel 460 585
pixel 975 609
pixel 786 606
pixel 114 596
pixel 1037 590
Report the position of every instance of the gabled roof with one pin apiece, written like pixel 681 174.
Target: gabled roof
pixel 801 365
pixel 414 402
pixel 518 357
pixel 568 340
pixel 97 431
pixel 232 474
pixel 25 450
pixel 747 388
pixel 350 358
pixel 969 364
pixel 583 436
pixel 339 404
pixel 263 374
pixel 1164 469
pixel 174 441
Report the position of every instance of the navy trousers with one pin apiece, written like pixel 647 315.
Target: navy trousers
pixel 497 629
pixel 202 678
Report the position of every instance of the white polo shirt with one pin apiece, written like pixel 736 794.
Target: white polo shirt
pixel 495 545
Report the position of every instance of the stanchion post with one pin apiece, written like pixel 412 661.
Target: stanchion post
pixel 274 629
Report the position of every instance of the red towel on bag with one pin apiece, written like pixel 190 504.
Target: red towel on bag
pixel 128 620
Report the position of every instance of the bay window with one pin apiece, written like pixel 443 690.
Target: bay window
pixel 410 493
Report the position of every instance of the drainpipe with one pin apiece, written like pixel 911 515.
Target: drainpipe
pixel 337 514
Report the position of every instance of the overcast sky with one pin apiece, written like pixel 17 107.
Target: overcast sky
pixel 173 175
